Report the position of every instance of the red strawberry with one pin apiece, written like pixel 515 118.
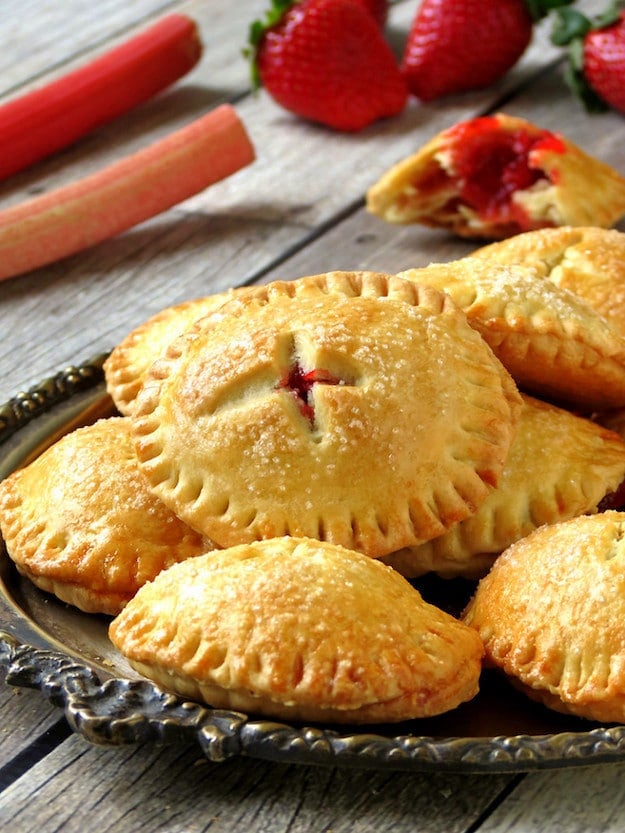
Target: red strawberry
pixel 596 71
pixel 378 8
pixel 459 45
pixel 327 61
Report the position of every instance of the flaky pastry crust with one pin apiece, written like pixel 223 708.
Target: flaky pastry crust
pixel 129 361
pixel 81 522
pixel 299 629
pixel 552 342
pixel 565 185
pixel 551 614
pixel 560 466
pixel 588 261
pixel 356 408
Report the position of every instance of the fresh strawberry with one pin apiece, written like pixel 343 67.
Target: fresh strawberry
pixel 327 61
pixel 459 45
pixel 378 8
pixel 596 70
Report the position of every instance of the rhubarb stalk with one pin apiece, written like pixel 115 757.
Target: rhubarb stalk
pixel 49 118
pixel 69 219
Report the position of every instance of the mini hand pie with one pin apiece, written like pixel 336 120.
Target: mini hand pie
pixel 590 262
pixel 128 363
pixel 552 342
pixel 495 176
pixel 551 614
pixel 559 466
pixel 81 522
pixel 302 410
pixel 299 629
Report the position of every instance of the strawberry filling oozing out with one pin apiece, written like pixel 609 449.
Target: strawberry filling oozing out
pixel 301 383
pixel 491 165
pixel 613 500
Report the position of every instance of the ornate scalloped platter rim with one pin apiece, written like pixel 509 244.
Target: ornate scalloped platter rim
pixel 106 705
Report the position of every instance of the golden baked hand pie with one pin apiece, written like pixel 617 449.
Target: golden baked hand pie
pixel 551 614
pixel 559 466
pixel 552 342
pixel 81 522
pixel 372 419
pixel 612 420
pixel 128 363
pixel 299 629
pixel 589 262
pixel 495 176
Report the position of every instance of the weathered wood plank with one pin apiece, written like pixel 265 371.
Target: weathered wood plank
pixel 175 789
pixel 25 716
pixel 37 37
pixel 575 801
pixel 63 36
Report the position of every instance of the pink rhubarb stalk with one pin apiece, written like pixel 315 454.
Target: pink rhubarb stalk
pixel 76 216
pixel 49 118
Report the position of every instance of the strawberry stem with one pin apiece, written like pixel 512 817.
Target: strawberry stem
pixel 569 26
pixel 273 17
pixel 576 80
pixel 539 9
pixel 609 15
pixel 570 29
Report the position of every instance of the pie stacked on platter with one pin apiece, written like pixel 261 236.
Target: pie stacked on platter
pixel 281 442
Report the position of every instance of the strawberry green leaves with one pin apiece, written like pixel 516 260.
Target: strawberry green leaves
pixel 540 9
pixel 324 60
pixel 595 71
pixel 327 61
pixel 258 28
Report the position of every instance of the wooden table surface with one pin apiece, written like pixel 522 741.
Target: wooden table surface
pixel 299 209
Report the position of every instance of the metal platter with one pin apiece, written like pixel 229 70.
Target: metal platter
pixel 66 655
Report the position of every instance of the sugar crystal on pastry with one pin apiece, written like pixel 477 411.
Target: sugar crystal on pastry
pixel 299 629
pixel 560 465
pixel 588 261
pixel 81 522
pixel 551 614
pixel 554 344
pixel 129 361
pixel 407 438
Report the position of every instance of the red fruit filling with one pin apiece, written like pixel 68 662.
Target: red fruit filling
pixel 613 500
pixel 491 164
pixel 301 383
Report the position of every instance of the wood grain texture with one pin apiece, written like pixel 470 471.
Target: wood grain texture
pixel 37 37
pixel 175 790
pixel 25 717
pixel 571 801
pixel 298 210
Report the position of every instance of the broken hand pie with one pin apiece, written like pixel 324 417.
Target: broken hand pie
pixel 327 408
pixel 299 629
pixel 495 176
pixel 81 522
pixel 551 614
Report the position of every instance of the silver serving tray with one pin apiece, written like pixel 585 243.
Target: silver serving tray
pixel 67 656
